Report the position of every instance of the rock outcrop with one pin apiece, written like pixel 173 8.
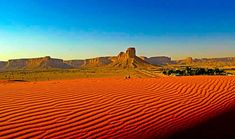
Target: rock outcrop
pixel 75 63
pixel 16 64
pixel 225 59
pixel 93 62
pixel 131 52
pixel 36 63
pixel 129 60
pixel 97 62
pixel 2 64
pixel 213 62
pixel 160 60
pixel 188 60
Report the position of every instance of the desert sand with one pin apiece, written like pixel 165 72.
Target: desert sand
pixel 111 108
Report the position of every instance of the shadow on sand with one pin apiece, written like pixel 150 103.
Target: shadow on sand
pixel 220 127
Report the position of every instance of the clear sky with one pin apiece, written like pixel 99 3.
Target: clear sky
pixel 76 29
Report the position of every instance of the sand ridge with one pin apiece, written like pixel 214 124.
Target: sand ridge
pixel 111 108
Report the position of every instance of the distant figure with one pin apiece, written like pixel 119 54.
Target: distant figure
pixel 127 77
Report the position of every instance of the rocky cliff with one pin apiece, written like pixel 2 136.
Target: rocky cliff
pixel 97 62
pixel 214 62
pixel 188 60
pixel 225 59
pixel 160 60
pixel 75 63
pixel 129 59
pixel 36 63
pixel 2 64
pixel 92 62
pixel 126 59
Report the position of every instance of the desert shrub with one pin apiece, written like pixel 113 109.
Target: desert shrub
pixel 197 71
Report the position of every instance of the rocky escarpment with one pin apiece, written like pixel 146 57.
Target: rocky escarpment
pixel 214 62
pixel 36 63
pixel 129 59
pixel 188 60
pixel 126 59
pixel 225 59
pixel 2 64
pixel 92 62
pixel 160 60
pixel 75 63
pixel 99 61
pixel 16 64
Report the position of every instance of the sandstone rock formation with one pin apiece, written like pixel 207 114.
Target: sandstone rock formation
pixel 131 52
pixel 2 64
pixel 16 64
pixel 212 62
pixel 129 60
pixel 97 62
pixel 144 58
pixel 224 59
pixel 160 60
pixel 75 63
pixel 215 62
pixel 126 59
pixel 92 62
pixel 36 63
pixel 188 60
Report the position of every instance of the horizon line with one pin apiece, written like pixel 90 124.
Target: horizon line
pixel 37 57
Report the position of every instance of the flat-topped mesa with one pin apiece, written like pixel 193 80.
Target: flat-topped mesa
pixel 158 60
pixel 131 52
pixel 96 62
pixel 129 60
pixel 188 60
pixel 36 63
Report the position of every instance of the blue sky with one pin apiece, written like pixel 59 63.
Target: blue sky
pixel 76 29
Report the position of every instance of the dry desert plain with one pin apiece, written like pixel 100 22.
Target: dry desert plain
pixel 112 107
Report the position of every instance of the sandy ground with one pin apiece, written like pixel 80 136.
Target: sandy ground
pixel 111 108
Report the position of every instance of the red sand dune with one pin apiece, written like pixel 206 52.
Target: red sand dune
pixel 111 108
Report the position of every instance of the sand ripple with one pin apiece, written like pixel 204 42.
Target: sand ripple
pixel 111 108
